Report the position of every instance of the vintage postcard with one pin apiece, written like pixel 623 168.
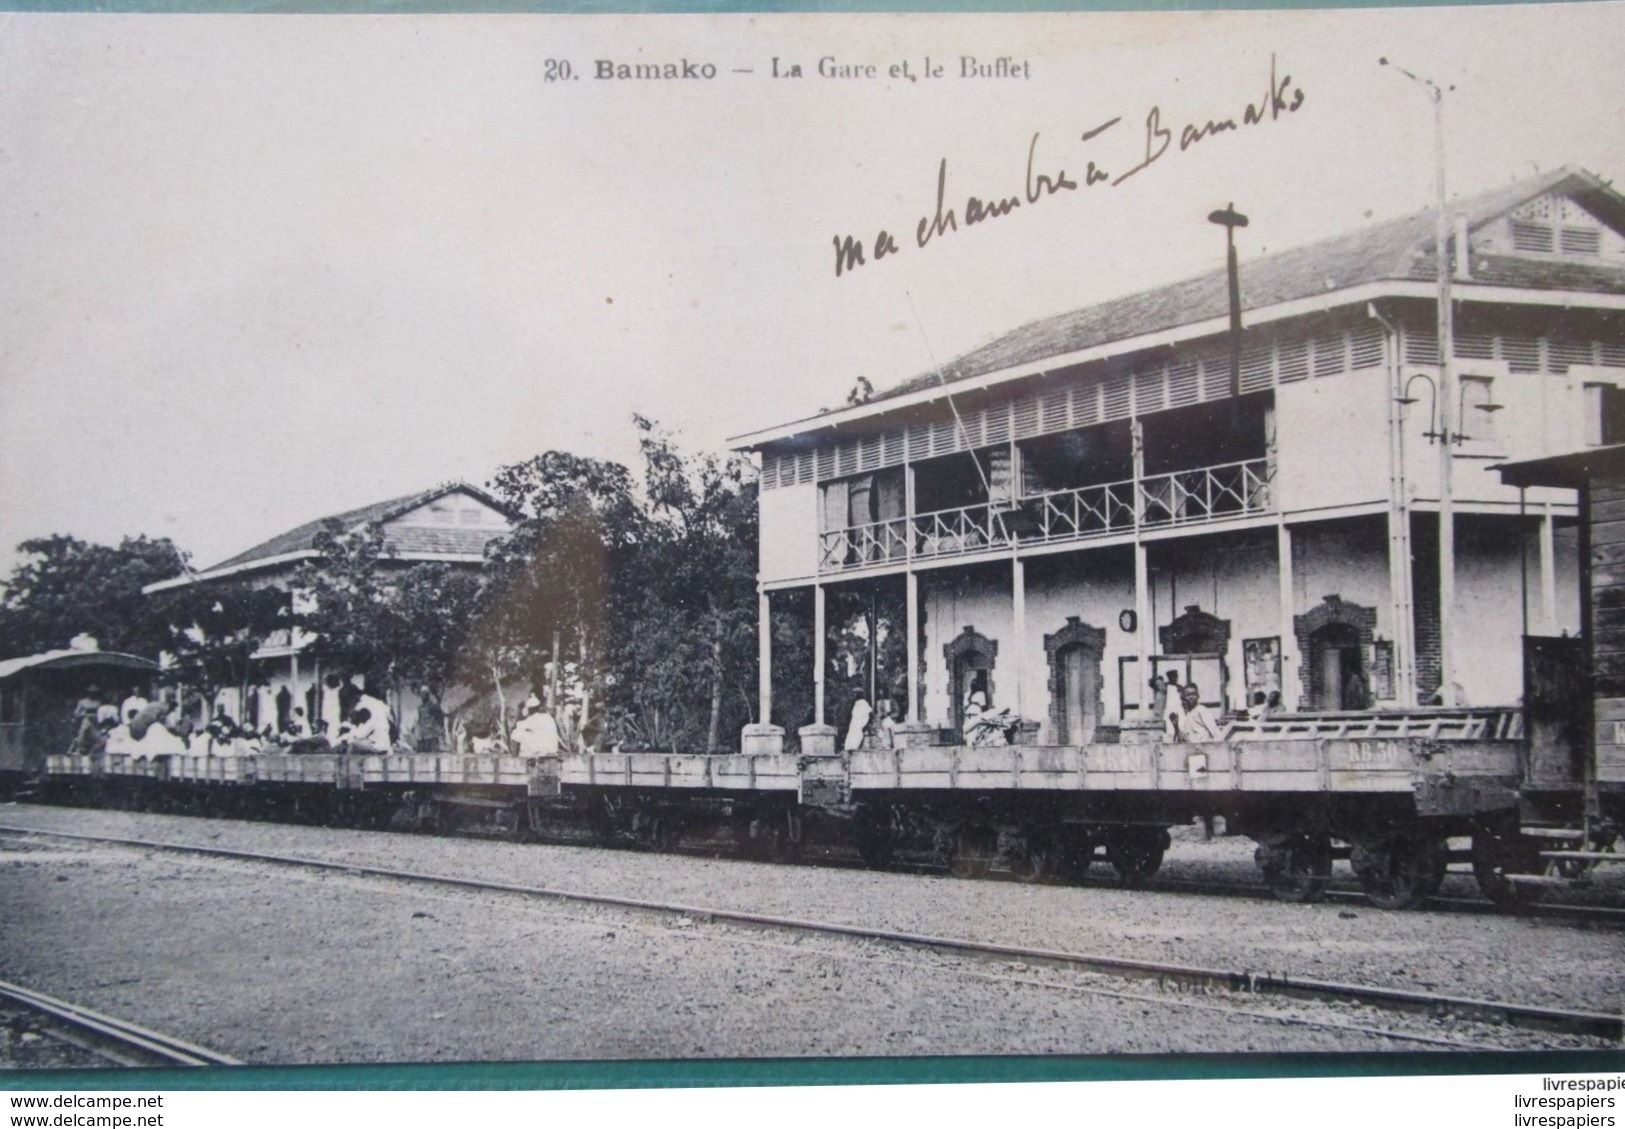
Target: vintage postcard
pixel 557 537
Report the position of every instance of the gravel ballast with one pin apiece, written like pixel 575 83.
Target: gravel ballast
pixel 280 965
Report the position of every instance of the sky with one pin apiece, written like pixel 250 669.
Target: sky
pixel 257 269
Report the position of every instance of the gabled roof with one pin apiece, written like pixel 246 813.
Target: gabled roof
pixel 402 541
pixel 1399 250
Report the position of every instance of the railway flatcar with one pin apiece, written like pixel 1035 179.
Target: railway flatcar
pixel 1385 792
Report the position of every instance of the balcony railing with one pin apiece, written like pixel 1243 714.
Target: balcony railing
pixel 1184 497
pixel 1205 494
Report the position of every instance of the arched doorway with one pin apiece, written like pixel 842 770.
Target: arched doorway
pixel 1334 638
pixel 1337 668
pixel 970 659
pixel 1075 682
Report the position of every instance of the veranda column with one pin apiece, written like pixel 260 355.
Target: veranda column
pixel 764 657
pixel 1548 572
pixel 1289 637
pixel 762 737
pixel 1142 616
pixel 818 739
pixel 818 654
pixel 1018 620
pixel 911 708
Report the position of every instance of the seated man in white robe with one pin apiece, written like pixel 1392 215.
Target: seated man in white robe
pixel 535 734
pixel 369 731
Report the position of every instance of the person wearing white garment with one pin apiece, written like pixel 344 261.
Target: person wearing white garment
pixel 1192 721
pixel 535 734
pixel 858 728
pixel 369 731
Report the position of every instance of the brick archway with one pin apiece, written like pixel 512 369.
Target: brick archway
pixel 1331 610
pixel 981 653
pixel 1196 632
pixel 1076 633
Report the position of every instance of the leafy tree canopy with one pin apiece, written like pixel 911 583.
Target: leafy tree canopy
pixel 65 586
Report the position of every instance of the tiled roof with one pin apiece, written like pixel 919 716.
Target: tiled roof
pixel 1400 249
pixel 404 540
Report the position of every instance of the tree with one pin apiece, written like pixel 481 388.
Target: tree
pixel 553 581
pixel 697 569
pixel 342 600
pixel 214 629
pixel 406 628
pixel 428 620
pixel 65 586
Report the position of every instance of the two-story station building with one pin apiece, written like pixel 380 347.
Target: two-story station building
pixel 1090 498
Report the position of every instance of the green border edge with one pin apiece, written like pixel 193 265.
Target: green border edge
pixel 711 1073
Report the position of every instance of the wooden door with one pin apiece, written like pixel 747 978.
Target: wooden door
pixel 1081 675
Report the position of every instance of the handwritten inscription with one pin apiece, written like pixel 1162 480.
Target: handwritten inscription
pixel 1049 177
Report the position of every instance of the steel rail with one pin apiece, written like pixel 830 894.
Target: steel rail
pixel 1597 1024
pixel 117 1033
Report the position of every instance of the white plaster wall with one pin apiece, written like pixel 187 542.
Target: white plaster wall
pixel 1543 414
pixel 1488 658
pixel 1096 588
pixel 1234 580
pixel 1332 440
pixel 951 602
pixel 789 533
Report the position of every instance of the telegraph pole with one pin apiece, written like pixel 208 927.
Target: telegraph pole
pixel 1445 395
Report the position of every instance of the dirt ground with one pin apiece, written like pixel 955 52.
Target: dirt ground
pixel 288 966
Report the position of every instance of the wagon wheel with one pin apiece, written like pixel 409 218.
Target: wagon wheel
pixel 781 836
pixel 974 848
pixel 874 837
pixel 1136 853
pixel 1040 859
pixel 1497 854
pixel 665 832
pixel 1400 872
pixel 1076 853
pixel 1296 869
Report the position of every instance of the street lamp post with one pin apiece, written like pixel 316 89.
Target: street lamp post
pixel 1230 219
pixel 1445 398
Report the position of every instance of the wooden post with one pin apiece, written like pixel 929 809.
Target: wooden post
pixel 1142 614
pixel 818 654
pixel 911 708
pixel 1548 570
pixel 764 658
pixel 1283 559
pixel 1018 618
pixel 553 677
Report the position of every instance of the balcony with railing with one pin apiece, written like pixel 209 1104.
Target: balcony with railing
pixel 1198 496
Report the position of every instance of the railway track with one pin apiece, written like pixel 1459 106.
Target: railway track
pixel 1237 981
pixel 1351 895
pixel 116 1040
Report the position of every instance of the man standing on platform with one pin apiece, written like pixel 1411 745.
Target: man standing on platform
pixel 1193 721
